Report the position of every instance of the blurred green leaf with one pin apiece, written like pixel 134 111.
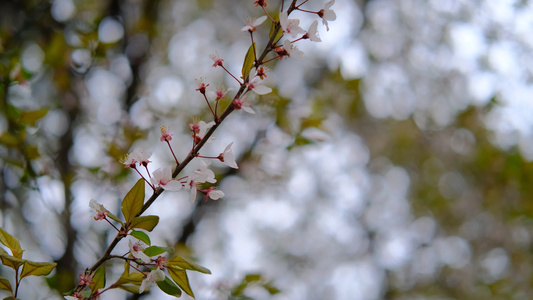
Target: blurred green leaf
pixel 279 33
pixel 155 250
pixel 98 279
pixel 180 277
pixel 249 61
pixel 133 202
pixel 147 223
pixel 141 236
pixel 31 268
pixel 11 242
pixel 169 287
pixel 31 117
pixel 5 285
pixel 180 263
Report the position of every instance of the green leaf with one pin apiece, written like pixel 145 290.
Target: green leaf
pixel 134 289
pixel 133 202
pixel 147 223
pixel 114 218
pixel 5 285
pixel 273 27
pixel 169 287
pixel 10 261
pixel 272 290
pixel 180 277
pixel 11 242
pixel 10 298
pixel 141 236
pixel 180 263
pixel 30 117
pixel 252 277
pixel 127 278
pixel 155 250
pixel 98 279
pixel 249 61
pixel 32 268
pixel 9 139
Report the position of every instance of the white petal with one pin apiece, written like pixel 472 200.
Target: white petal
pixel 94 205
pixel 248 109
pixel 260 20
pixel 172 185
pixel 262 90
pixel 216 194
pixel 192 196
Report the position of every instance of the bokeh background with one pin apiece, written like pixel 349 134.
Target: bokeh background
pixel 392 161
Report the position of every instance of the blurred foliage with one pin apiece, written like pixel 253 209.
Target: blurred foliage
pixel 472 188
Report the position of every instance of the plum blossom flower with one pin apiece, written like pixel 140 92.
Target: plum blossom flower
pixel 312 33
pixel 165 136
pixel 251 25
pixel 327 14
pixel 290 26
pixel 201 85
pixel 257 87
pixel 213 193
pixel 200 128
pixel 203 173
pixel 163 178
pixel 86 279
pixel 200 175
pixel 138 156
pixel 261 72
pixel 292 50
pixel 151 278
pixel 228 158
pixel 243 104
pixel 216 59
pixel 261 3
pixel 161 262
pixel 220 93
pixel 136 251
pixel 101 212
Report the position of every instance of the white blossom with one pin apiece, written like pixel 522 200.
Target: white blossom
pixel 163 178
pixel 290 26
pixel 137 251
pixel 151 278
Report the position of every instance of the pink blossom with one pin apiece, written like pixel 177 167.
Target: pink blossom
pixel 251 25
pixel 86 279
pixel 290 26
pixel 216 59
pixel 136 251
pixel 201 85
pixel 165 136
pixel 101 212
pixel 163 178
pixel 161 262
pixel 261 3
pixel 228 158
pixel 213 193
pixel 243 104
pixel 257 87
pixel 137 156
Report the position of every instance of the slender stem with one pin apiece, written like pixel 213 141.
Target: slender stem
pixel 17 282
pixel 231 75
pixel 177 162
